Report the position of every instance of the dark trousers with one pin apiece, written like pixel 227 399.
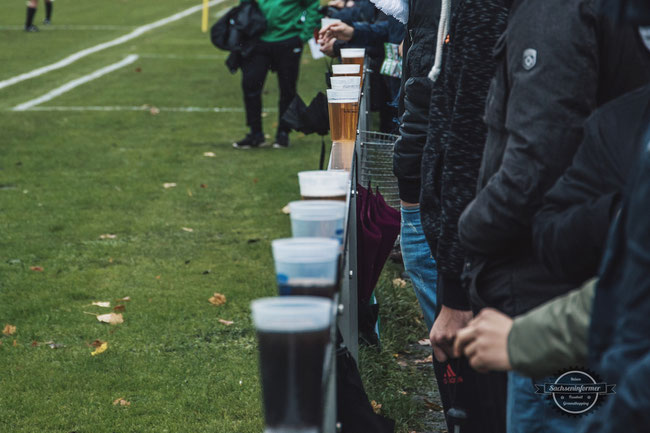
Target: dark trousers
pixel 282 57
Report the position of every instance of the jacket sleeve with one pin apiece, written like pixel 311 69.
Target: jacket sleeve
pixel 570 230
pixel 312 19
pixel 367 34
pixel 552 58
pixel 554 335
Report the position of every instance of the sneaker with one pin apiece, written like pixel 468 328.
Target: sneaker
pixel 47 22
pixel 251 140
pixel 31 29
pixel 281 140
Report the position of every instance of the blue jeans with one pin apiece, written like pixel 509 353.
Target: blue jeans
pixel 528 412
pixel 419 263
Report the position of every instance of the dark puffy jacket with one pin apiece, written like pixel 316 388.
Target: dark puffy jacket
pixel 456 136
pixel 558 61
pixel 419 46
pixel 570 230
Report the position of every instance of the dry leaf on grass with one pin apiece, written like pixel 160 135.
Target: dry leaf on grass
pixel 104 304
pixel 111 318
pixel 402 363
pixel 425 342
pixel 168 185
pixel 187 229
pixel 154 111
pixel 15 343
pixel 433 406
pixel 97 343
pixel 203 185
pixel 286 210
pixel 400 283
pixel 226 322
pixel 107 236
pixel 53 345
pixel 427 360
pixel 217 299
pixel 121 402
pixel 9 330
pixel 376 407
pixel 209 154
pixel 119 308
pixel 100 349
pixel 124 299
pixel 36 268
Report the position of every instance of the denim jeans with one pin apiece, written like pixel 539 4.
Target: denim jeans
pixel 528 412
pixel 418 262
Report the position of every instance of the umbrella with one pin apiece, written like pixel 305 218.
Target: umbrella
pixel 308 119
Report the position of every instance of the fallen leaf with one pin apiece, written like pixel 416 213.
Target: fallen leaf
pixel 203 185
pixel 34 343
pixel 427 360
pixel 403 392
pixel 111 318
pixel 255 180
pixel 376 407
pixel 15 343
pixel 157 277
pixel 124 299
pixel 168 185
pixel 226 322
pixel 138 69
pixel 189 192
pixel 121 402
pixel 110 260
pixel 424 342
pixel 217 299
pixel 118 308
pixel 399 283
pixel 187 229
pixel 102 304
pixel 433 406
pixel 209 154
pixel 107 236
pixel 154 111
pixel 36 268
pixel 97 343
pixel 100 349
pixel 402 363
pixel 9 330
pixel 285 210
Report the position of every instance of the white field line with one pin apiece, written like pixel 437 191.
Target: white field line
pixel 73 27
pixel 75 83
pixel 177 57
pixel 88 51
pixel 145 108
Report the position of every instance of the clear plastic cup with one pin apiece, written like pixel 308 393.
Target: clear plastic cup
pixel 324 22
pixel 324 185
pixel 345 83
pixel 346 70
pixel 293 334
pixel 343 110
pixel 318 218
pixel 306 266
pixel 353 56
pixel 342 155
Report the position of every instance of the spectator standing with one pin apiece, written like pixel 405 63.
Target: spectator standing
pixel 32 5
pixel 289 24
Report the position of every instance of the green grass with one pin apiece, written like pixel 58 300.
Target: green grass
pixel 68 177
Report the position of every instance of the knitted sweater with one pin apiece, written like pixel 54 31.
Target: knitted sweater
pixel 456 135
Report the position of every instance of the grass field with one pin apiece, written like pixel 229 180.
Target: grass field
pixel 91 162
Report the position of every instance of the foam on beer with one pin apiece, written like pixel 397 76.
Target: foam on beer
pixel 292 313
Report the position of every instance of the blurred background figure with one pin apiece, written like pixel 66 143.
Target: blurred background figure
pixel 31 11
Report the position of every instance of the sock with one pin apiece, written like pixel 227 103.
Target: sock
pixel 48 10
pixel 30 16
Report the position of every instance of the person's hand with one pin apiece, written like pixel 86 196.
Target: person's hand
pixel 339 4
pixel 340 31
pixel 328 48
pixel 444 329
pixel 485 341
pixel 400 49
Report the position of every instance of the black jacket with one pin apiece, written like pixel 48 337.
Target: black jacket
pixel 420 43
pixel 558 61
pixel 456 136
pixel 570 230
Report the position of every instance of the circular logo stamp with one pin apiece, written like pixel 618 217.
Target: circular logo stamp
pixel 576 391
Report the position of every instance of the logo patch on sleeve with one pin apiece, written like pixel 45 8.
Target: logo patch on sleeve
pixel 529 59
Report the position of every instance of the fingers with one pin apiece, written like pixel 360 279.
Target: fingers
pixel 439 354
pixel 464 337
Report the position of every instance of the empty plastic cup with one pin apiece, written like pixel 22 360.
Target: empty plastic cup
pixel 318 218
pixel 306 266
pixel 324 184
pixel 346 70
pixel 292 334
pixel 345 83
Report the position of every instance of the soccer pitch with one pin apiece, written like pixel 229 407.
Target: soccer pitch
pixel 99 113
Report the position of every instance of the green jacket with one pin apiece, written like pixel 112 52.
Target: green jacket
pixel 553 336
pixel 286 19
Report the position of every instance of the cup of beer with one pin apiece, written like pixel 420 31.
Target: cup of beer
pixel 354 56
pixel 306 266
pixel 324 184
pixel 343 108
pixel 318 218
pixel 346 70
pixel 292 334
pixel 345 83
